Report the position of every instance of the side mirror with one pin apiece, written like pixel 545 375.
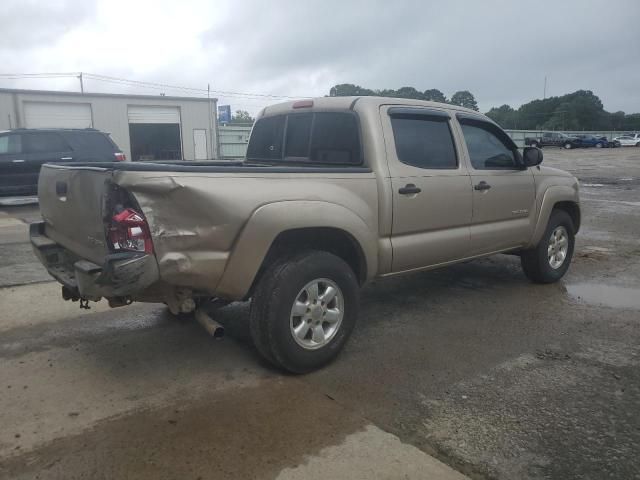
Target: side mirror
pixel 531 156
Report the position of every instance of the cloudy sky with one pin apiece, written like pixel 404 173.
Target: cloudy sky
pixel 501 51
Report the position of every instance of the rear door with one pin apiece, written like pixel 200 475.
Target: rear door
pixel 43 147
pixel 431 188
pixel 503 191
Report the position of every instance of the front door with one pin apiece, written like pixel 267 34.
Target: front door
pixel 503 192
pixel 431 188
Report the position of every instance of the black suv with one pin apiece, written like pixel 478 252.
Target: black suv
pixel 23 151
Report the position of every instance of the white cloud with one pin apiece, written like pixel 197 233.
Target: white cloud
pixel 500 51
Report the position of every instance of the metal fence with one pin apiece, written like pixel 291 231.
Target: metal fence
pixel 233 140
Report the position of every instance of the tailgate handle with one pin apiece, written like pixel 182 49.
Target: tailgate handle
pixel 61 189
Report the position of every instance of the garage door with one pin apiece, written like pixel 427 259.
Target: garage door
pixel 146 114
pixel 154 133
pixel 57 115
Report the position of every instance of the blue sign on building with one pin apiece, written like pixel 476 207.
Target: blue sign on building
pixel 224 113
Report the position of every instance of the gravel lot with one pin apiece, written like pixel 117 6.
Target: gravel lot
pixel 473 365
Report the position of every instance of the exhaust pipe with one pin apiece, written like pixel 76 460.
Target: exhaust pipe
pixel 210 325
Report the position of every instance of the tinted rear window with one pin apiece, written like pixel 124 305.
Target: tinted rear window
pixel 318 138
pixel 44 142
pixel 90 141
pixel 335 139
pixel 298 135
pixel 266 139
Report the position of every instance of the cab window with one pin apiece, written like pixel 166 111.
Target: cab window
pixel 488 150
pixel 424 142
pixel 325 138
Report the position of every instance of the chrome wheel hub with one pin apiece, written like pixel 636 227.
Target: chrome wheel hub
pixel 558 247
pixel 317 313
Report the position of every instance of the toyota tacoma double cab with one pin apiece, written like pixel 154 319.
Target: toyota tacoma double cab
pixel 333 193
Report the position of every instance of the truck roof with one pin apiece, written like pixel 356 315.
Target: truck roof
pixel 348 103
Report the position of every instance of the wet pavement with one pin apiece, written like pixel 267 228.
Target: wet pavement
pixel 472 365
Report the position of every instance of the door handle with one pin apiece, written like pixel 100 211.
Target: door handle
pixel 17 161
pixel 482 186
pixel 409 189
pixel 66 158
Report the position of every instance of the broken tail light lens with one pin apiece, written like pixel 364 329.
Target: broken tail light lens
pixel 120 157
pixel 129 232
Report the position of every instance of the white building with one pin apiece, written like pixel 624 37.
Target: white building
pixel 145 127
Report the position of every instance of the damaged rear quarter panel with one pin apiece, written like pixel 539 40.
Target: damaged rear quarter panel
pixel 195 218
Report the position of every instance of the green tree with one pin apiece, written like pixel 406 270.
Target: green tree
pixel 464 98
pixel 241 116
pixel 349 90
pixel 409 92
pixel 505 116
pixel 435 95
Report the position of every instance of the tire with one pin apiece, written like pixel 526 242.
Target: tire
pixel 599 145
pixel 537 264
pixel 289 282
pixel 638 144
pixel 567 146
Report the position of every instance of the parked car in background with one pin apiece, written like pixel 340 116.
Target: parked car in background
pixel 631 140
pixel 24 151
pixel 612 143
pixel 587 141
pixel 553 139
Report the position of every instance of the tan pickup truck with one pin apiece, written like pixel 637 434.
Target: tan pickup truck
pixel 333 192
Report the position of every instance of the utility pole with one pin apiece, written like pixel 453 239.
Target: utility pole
pixel 210 115
pixel 81 83
pixel 544 94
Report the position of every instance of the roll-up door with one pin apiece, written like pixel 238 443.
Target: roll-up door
pixel 57 115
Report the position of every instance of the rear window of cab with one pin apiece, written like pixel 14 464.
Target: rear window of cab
pixel 319 138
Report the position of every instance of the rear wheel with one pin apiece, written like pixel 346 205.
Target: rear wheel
pixel 550 259
pixel 568 146
pixel 599 145
pixel 304 310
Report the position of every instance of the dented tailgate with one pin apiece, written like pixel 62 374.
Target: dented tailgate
pixel 71 203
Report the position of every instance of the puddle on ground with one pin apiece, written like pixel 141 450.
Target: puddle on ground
pixel 606 295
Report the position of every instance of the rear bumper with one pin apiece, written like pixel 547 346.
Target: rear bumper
pixel 121 274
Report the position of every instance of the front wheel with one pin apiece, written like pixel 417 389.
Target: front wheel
pixel 599 145
pixel 568 146
pixel 550 259
pixel 304 310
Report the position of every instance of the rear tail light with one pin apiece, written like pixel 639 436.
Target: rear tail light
pixel 129 232
pixel 120 157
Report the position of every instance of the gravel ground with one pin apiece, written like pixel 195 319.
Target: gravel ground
pixel 473 365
